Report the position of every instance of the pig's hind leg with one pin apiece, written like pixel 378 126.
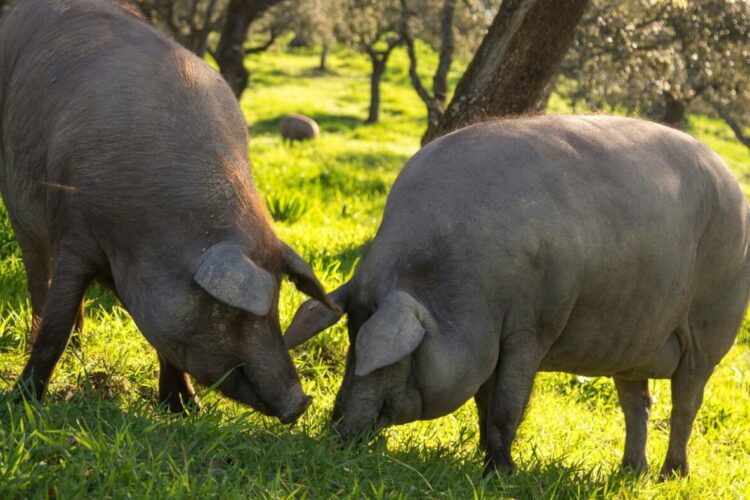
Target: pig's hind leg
pixel 709 334
pixel 70 278
pixel 635 401
pixel 37 265
pixel 175 389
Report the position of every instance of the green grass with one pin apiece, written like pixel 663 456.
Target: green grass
pixel 101 434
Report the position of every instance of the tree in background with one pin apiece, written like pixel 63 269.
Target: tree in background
pixel 660 58
pixel 230 54
pixel 5 5
pixel 452 29
pixel 190 22
pixel 314 22
pixel 372 27
pixel 516 60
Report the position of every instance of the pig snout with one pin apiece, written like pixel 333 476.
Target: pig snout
pixel 283 399
pixel 295 408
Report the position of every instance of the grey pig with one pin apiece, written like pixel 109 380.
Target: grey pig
pixel 123 159
pixel 594 245
pixel 298 128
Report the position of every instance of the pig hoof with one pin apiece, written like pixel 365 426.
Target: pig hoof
pixel 178 405
pixel 637 466
pixel 672 470
pixel 20 393
pixel 496 464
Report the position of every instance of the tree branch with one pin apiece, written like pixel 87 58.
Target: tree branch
pixel 265 46
pixel 416 81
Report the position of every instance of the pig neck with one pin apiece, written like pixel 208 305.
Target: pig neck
pixel 458 352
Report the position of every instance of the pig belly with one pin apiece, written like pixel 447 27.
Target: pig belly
pixel 628 362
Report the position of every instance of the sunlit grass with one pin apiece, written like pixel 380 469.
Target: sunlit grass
pixel 101 433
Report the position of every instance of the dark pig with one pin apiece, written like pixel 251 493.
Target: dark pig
pixel 123 159
pixel 594 245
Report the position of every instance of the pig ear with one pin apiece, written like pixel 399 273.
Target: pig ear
pixel 228 275
pixel 312 318
pixel 391 334
pixel 305 280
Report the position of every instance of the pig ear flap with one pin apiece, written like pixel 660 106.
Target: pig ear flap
pixel 305 280
pixel 229 276
pixel 391 334
pixel 312 318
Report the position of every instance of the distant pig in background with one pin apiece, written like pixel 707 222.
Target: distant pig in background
pixel 593 245
pixel 298 128
pixel 123 159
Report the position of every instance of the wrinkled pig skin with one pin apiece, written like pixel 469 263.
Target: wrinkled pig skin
pixel 593 245
pixel 123 159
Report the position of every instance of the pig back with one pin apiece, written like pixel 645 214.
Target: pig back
pixel 589 228
pixel 106 119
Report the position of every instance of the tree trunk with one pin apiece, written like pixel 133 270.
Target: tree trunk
pixel 435 107
pixel 674 111
pixel 447 46
pixel 434 103
pixel 230 55
pixel 737 128
pixel 378 68
pixel 520 53
pixel 199 37
pixel 324 58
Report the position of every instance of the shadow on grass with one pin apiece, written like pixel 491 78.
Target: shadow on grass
pixel 95 445
pixel 342 262
pixel 372 159
pixel 269 78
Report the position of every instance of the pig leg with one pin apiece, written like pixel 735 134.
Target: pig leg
pixel 513 383
pixel 37 264
pixel 483 398
pixel 75 339
pixel 635 401
pixel 175 389
pixel 687 396
pixel 69 282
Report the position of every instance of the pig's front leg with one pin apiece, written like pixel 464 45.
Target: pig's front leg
pixel 514 378
pixel 175 389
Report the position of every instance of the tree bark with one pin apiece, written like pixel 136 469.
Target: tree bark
pixel 230 55
pixel 520 53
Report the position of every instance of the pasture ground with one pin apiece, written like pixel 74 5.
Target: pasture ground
pixel 101 434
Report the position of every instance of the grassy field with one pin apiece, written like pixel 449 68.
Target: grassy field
pixel 101 434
